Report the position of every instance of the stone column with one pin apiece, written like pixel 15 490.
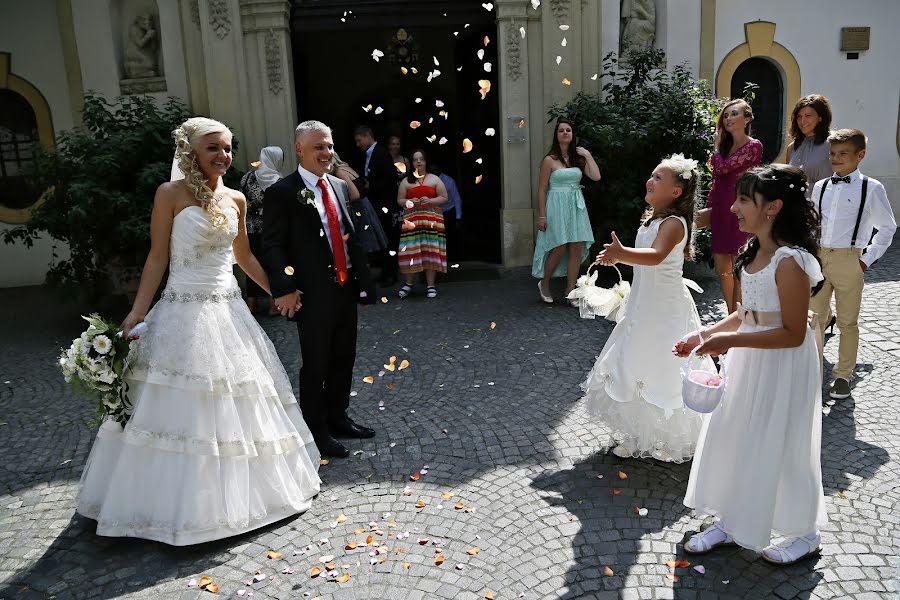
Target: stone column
pixel 270 93
pixel 517 212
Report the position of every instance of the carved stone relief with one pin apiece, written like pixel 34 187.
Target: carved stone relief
pixel 220 17
pixel 195 12
pixel 637 25
pixel 560 8
pixel 273 63
pixel 513 52
pixel 142 51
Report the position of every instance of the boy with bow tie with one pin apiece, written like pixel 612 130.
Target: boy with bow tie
pixel 850 206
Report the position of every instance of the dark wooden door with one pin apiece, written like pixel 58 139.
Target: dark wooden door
pixel 768 105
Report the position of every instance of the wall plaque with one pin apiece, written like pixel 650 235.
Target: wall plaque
pixel 854 39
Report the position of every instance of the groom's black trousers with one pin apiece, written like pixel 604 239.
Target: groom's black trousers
pixel 327 327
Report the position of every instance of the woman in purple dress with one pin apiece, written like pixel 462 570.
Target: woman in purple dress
pixel 735 152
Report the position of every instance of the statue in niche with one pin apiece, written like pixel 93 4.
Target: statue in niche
pixel 638 25
pixel 142 53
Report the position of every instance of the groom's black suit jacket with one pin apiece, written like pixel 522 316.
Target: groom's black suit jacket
pixel 293 236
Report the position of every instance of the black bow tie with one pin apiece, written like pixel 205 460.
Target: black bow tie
pixel 837 180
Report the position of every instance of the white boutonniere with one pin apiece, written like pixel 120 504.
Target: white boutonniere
pixel 307 196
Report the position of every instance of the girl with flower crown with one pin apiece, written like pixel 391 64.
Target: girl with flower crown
pixel 757 468
pixel 216 445
pixel 635 385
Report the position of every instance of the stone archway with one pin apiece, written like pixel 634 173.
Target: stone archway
pixel 760 42
pixel 43 122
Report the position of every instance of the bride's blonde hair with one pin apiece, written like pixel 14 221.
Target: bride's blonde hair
pixel 186 135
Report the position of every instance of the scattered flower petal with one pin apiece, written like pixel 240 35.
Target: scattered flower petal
pixel 414 124
pixel 607 572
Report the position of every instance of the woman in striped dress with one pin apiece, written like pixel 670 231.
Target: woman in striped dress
pixel 423 244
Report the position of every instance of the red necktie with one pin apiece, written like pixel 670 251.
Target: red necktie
pixel 334 228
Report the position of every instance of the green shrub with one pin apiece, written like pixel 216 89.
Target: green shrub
pixel 100 180
pixel 643 114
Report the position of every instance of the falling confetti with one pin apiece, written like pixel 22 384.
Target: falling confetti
pixel 479 160
pixel 379 110
pixel 700 569
pixel 484 86
pixel 377 54
pixel 436 63
pixel 400 166
pixel 522 32
pixel 404 70
pixel 439 103
pixel 414 124
pixel 488 67
pixel 563 27
pixel 442 141
pixel 488 6
pixel 566 82
pixel 558 59
pixel 480 53
pixel 289 270
pixel 255 164
pixel 487 40
pixel 418 100
pixel 535 4
pixel 478 179
pixel 467 145
pixel 367 108
pixel 489 131
pixel 594 76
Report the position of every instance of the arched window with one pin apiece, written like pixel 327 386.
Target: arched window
pixel 768 106
pixel 18 139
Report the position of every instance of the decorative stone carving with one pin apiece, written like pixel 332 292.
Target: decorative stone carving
pixel 560 9
pixel 513 52
pixel 142 51
pixel 220 17
pixel 145 85
pixel 273 63
pixel 195 12
pixel 637 25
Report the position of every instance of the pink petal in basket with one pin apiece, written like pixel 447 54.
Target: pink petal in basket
pixel 705 378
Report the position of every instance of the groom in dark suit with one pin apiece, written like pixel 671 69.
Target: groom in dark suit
pixel 315 261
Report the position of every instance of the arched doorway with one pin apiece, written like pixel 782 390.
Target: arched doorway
pixel 336 79
pixel 768 105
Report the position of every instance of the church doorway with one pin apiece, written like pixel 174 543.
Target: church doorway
pixel 338 82
pixel 768 106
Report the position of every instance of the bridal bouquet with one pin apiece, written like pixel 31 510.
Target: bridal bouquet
pixel 605 302
pixel 93 365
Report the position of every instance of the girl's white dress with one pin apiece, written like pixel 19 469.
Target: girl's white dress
pixel 635 385
pixel 757 466
pixel 216 445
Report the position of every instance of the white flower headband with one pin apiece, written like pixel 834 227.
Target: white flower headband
pixel 683 166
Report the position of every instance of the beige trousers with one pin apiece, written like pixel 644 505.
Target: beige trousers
pixel 844 279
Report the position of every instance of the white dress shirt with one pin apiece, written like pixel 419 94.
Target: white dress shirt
pixel 840 207
pixel 312 182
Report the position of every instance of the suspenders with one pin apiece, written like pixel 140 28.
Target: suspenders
pixel 862 206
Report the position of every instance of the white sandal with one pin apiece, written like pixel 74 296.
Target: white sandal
pixel 622 452
pixel 793 550
pixel 700 543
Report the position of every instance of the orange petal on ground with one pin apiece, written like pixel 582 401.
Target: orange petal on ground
pixel 341 518
pixel 351 546
pixel 493 325
pixel 359 531
pixel 330 566
pixel 671 563
pixel 473 551
pixel 489 595
pixel 392 523
pixel 343 578
pixel 673 577
pixel 683 564
pixel 439 559
pixel 407 566
pixel 368 379
pixel 422 541
pixel 617 492
pixel 271 554
pixel 415 476
pixel 315 571
pixel 404 364
pixel 607 572
pixel 213 587
pixel 369 539
pixel 467 145
pixel 414 124
pixel 327 558
pixel 622 475
pixel 390 367
pixel 407 491
pixel 447 495
pixel 324 461
pixel 204 581
pixel 459 506
pixel 420 504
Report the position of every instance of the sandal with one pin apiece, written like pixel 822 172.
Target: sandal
pixel 404 290
pixel 431 292
pixel 700 543
pixel 793 550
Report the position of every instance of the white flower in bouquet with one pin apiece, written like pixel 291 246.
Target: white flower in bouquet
pixel 102 344
pixel 107 375
pixel 111 402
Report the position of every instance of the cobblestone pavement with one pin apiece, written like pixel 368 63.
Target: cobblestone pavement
pixel 494 417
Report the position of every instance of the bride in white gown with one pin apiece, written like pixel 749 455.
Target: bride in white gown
pixel 216 445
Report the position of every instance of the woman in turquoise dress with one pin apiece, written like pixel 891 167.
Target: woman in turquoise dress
pixel 564 230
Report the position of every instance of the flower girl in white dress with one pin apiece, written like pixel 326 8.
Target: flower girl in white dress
pixel 757 466
pixel 635 385
pixel 216 445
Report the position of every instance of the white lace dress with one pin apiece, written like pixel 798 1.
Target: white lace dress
pixel 216 445
pixel 635 385
pixel 757 465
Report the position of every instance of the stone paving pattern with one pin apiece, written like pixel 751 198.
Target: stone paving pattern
pixel 496 416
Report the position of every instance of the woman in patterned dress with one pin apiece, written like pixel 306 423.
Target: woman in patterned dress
pixel 423 244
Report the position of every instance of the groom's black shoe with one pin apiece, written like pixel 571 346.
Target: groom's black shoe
pixel 345 427
pixel 328 446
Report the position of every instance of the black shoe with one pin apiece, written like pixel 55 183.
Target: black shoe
pixel 328 446
pixel 345 427
pixel 830 326
pixel 840 388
